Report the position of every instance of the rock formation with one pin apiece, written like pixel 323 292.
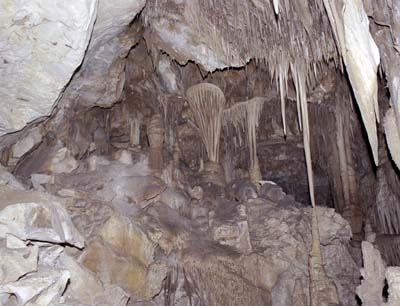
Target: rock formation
pixel 207 102
pixel 117 186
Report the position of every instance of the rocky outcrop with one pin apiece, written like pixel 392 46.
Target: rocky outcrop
pixel 36 216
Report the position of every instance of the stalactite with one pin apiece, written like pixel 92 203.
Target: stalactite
pixel 276 6
pixel 282 81
pixel 246 116
pixel 322 290
pixel 361 58
pixel 300 32
pixel 294 73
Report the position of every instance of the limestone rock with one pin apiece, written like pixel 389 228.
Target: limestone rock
pixel 127 239
pixel 61 162
pixel 392 134
pixel 39 179
pixel 197 193
pixel 167 74
pixel 180 44
pixel 115 182
pixel 7 179
pixel 361 57
pixel 84 285
pixel 44 42
pixel 338 227
pixel 276 271
pixel 373 273
pixel 123 156
pixel 42 288
pixel 174 198
pixel 112 296
pixel 138 190
pixel 271 192
pixel 25 144
pixel 49 256
pixel 235 235
pixel 128 272
pixel 17 262
pixel 241 190
pixel 13 242
pixel 101 78
pixel 220 279
pixel 124 255
pixel 95 161
pixel 36 216
pixel 393 279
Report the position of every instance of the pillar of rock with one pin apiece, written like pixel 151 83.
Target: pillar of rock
pixel 155 134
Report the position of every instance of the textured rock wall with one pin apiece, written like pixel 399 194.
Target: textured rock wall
pixel 42 44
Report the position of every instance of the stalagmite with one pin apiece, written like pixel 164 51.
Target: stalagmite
pixel 373 273
pixel 207 102
pixel 247 115
pixel 155 133
pixel 134 132
pixel 172 107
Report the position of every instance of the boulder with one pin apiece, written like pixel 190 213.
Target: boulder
pixel 84 286
pixel 42 288
pixel 31 215
pixel 61 161
pixel 7 179
pixel 15 263
pixel 127 272
pixel 127 239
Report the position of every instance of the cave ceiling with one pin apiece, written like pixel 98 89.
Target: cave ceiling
pixel 58 56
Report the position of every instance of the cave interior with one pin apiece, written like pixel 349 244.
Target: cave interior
pixel 200 152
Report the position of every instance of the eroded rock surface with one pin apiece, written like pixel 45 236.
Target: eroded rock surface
pixel 42 45
pixel 145 244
